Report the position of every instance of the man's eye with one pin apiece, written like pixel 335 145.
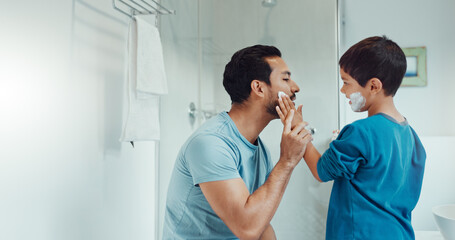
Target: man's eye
pixel 286 79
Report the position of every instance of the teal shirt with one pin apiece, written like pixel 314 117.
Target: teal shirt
pixel 377 165
pixel 216 151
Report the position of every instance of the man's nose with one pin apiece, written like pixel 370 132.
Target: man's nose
pixel 295 88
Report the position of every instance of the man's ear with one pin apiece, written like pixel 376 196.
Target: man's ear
pixel 257 88
pixel 374 85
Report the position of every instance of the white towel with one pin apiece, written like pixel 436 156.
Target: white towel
pixel 146 80
pixel 151 77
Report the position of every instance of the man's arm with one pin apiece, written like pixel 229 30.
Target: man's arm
pixel 248 215
pixel 311 155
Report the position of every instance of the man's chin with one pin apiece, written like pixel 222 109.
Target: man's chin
pixel 273 113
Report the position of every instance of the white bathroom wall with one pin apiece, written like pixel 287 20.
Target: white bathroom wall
pixel 412 23
pixel 437 188
pixel 63 172
pixel 428 109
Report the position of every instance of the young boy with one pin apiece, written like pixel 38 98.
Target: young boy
pixel 377 163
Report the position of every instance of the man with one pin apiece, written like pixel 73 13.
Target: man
pixel 224 185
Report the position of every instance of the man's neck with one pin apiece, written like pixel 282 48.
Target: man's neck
pixel 249 120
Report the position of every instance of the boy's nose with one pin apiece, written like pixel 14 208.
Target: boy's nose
pixel 343 91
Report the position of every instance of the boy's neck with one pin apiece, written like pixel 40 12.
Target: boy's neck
pixel 385 105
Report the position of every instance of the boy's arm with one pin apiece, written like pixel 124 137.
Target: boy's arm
pixel 311 158
pixel 311 155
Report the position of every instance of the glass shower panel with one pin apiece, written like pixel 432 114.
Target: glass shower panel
pixel 306 33
pixel 179 37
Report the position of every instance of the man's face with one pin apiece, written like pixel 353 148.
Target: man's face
pixel 280 80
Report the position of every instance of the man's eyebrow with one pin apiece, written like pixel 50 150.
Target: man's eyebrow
pixel 286 73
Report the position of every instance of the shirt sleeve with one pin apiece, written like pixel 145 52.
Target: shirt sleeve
pixel 211 158
pixel 344 155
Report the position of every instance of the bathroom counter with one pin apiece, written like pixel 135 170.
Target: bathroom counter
pixel 428 235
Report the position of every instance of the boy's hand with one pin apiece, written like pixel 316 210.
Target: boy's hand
pixel 335 134
pixel 285 106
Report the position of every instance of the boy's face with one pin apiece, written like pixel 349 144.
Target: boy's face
pixel 280 80
pixel 353 91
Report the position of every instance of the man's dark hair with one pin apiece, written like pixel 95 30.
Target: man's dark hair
pixel 376 57
pixel 246 65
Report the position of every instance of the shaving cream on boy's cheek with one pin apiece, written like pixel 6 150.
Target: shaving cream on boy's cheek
pixel 357 101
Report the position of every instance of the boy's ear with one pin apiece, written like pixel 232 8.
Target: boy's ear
pixel 374 85
pixel 257 88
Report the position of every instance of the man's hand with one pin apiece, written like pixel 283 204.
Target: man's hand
pixel 268 234
pixel 285 105
pixel 286 111
pixel 293 141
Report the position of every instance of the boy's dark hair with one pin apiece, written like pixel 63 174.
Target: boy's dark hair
pixel 376 57
pixel 246 65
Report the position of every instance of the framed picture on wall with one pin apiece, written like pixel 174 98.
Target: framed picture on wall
pixel 416 71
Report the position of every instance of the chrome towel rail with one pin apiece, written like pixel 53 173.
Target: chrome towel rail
pixel 134 7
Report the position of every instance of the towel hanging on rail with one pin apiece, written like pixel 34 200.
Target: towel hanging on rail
pixel 151 77
pixel 146 80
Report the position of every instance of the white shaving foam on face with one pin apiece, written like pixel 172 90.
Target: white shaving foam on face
pixel 280 94
pixel 357 101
